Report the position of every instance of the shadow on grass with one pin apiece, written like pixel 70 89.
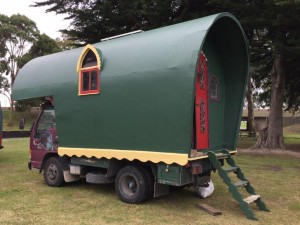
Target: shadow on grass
pixel 97 188
pixel 176 198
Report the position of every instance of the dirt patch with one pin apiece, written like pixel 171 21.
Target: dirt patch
pixel 275 152
pixel 295 147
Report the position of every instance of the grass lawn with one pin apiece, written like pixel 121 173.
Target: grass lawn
pixel 291 142
pixel 29 119
pixel 26 199
pixel 291 139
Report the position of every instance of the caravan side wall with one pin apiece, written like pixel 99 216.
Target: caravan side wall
pixel 146 102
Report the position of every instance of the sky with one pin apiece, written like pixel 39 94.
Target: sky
pixel 48 23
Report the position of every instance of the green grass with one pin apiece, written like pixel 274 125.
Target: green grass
pixel 243 125
pixel 291 138
pixel 29 119
pixel 26 199
pixel 291 142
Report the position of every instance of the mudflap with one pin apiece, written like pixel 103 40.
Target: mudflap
pixel 161 189
pixel 68 177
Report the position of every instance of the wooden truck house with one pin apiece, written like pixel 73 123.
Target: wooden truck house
pixel 147 111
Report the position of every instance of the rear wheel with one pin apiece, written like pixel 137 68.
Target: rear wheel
pixel 132 184
pixel 149 182
pixel 53 172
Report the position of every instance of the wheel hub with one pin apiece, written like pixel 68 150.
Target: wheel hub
pixel 132 185
pixel 52 172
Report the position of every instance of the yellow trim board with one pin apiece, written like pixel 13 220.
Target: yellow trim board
pixel 143 156
pixel 83 54
pixel 206 156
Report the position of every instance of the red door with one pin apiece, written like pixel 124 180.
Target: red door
pixel 201 104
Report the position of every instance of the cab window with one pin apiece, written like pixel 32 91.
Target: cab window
pixel 46 121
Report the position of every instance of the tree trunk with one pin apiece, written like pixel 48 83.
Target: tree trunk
pixel 249 96
pixel 262 137
pixel 10 121
pixel 274 133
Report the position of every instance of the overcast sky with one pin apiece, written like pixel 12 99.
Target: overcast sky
pixel 48 23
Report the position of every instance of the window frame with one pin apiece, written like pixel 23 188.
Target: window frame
pixel 89 91
pixel 82 69
pixel 37 133
pixel 213 98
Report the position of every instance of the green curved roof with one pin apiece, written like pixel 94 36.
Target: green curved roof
pixel 147 86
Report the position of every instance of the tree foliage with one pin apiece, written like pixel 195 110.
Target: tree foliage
pixel 42 45
pixel 16 33
pixel 93 20
pixel 64 43
pixel 20 41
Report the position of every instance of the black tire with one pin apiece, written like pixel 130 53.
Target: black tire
pixel 53 172
pixel 131 184
pixel 149 182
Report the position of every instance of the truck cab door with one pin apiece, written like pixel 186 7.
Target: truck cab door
pixel 43 138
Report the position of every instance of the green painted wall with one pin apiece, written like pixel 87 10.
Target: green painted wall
pixel 216 107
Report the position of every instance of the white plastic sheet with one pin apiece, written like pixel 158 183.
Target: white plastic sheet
pixel 204 192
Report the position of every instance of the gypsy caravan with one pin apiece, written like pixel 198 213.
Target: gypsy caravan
pixel 147 110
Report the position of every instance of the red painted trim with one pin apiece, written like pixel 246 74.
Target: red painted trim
pixel 201 98
pixel 89 71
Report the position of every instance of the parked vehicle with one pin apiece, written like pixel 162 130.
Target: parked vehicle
pixel 146 111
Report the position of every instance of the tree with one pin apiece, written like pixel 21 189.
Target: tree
pixel 16 34
pixel 93 20
pixel 65 43
pixel 249 97
pixel 42 45
pixel 283 34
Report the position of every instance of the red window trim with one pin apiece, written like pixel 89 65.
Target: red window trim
pixel 82 92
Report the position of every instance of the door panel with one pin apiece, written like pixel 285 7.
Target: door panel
pixel 43 137
pixel 201 104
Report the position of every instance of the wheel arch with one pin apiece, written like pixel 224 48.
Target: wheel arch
pixel 63 160
pixel 116 165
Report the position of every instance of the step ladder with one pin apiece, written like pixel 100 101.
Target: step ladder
pixel 233 187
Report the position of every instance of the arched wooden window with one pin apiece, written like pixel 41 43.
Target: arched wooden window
pixel 88 67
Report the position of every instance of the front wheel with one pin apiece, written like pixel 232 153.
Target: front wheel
pixel 131 184
pixel 53 172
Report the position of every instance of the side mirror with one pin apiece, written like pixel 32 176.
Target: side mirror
pixel 22 124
